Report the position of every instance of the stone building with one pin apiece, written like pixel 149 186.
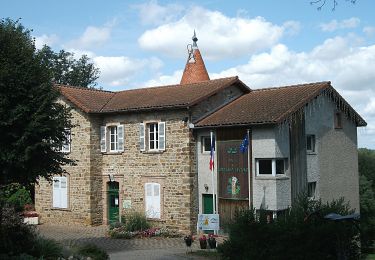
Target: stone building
pixel 147 150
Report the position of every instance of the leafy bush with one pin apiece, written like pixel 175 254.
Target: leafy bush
pixel 136 222
pixel 46 248
pixel 19 199
pixel 93 251
pixel 301 233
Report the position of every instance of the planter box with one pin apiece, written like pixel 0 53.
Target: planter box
pixel 31 220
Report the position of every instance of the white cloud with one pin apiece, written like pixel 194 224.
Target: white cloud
pixel 92 37
pixel 161 80
pixel 153 13
pixel 219 35
pixel 369 31
pixel 120 70
pixel 45 39
pixel 343 24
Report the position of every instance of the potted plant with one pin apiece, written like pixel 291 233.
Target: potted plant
pixel 203 242
pixel 212 241
pixel 30 216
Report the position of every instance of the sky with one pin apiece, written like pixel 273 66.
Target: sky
pixel 266 43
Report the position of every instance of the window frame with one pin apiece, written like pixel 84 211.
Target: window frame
pixel 59 192
pixel 158 139
pixel 312 143
pixel 311 186
pixel 157 215
pixel 338 120
pixel 274 171
pixel 113 134
pixel 66 146
pixel 203 144
pixel 155 140
pixel 112 138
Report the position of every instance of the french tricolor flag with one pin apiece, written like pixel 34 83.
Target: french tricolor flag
pixel 212 153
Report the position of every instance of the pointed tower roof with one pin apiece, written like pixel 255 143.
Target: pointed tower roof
pixel 195 70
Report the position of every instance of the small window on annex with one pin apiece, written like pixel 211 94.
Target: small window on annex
pixel 338 120
pixel 206 144
pixel 310 143
pixel 270 167
pixel 311 187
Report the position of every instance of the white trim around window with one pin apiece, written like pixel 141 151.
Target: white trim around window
pixel 60 192
pixel 152 136
pixel 112 138
pixel 152 200
pixel 66 146
pixel 270 167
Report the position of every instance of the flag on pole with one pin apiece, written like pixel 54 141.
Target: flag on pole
pixel 212 153
pixel 245 144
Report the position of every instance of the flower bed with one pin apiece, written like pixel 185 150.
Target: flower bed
pixel 121 232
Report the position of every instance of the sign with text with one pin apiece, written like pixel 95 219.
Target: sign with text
pixel 208 222
pixel 232 170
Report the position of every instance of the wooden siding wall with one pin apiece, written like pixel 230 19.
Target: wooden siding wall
pixel 298 161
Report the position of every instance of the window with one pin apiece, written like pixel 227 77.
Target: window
pixel 311 186
pixel 65 148
pixel 206 144
pixel 152 199
pixel 338 120
pixel 270 167
pixel 114 136
pixel 310 143
pixel 152 136
pixel 60 194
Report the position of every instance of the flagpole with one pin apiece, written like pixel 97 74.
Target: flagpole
pixel 248 166
pixel 212 174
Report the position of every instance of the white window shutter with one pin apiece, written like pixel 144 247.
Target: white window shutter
pixel 66 145
pixel 63 192
pixel 142 136
pixel 103 139
pixel 56 192
pixel 162 136
pixel 152 198
pixel 120 134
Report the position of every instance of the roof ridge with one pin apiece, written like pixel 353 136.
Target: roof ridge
pixel 84 88
pixel 292 86
pixel 174 85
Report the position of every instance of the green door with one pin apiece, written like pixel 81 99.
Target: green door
pixel 208 208
pixel 113 202
pixel 207 204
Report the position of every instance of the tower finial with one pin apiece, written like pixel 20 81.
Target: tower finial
pixel 195 39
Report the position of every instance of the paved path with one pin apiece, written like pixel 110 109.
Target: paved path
pixel 148 248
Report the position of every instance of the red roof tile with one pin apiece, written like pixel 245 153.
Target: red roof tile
pixel 269 106
pixel 195 71
pixel 173 96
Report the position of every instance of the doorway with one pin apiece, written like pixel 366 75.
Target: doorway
pixel 113 202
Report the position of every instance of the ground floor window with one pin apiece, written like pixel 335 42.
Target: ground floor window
pixel 60 192
pixel 152 200
pixel 311 187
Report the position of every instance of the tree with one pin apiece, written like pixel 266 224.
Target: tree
pixel 366 165
pixel 321 3
pixel 65 69
pixel 32 123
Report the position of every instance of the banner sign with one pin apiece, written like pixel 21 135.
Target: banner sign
pixel 232 170
pixel 208 222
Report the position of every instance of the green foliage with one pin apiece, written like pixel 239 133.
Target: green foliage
pixel 302 233
pixel 65 69
pixel 366 163
pixel 19 199
pixel 93 251
pixel 46 249
pixel 136 221
pixel 32 124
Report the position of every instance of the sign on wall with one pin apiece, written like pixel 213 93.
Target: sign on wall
pixel 232 170
pixel 208 222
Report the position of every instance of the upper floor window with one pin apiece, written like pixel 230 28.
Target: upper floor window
pixel 152 136
pixel 65 147
pixel 206 144
pixel 310 143
pixel 270 167
pixel 112 135
pixel 338 120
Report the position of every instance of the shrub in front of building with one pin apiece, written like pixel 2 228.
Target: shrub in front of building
pixel 300 233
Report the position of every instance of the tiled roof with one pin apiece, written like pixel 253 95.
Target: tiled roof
pixel 195 71
pixel 270 106
pixel 87 99
pixel 173 96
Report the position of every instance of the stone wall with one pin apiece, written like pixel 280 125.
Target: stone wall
pixel 79 208
pixel 173 169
